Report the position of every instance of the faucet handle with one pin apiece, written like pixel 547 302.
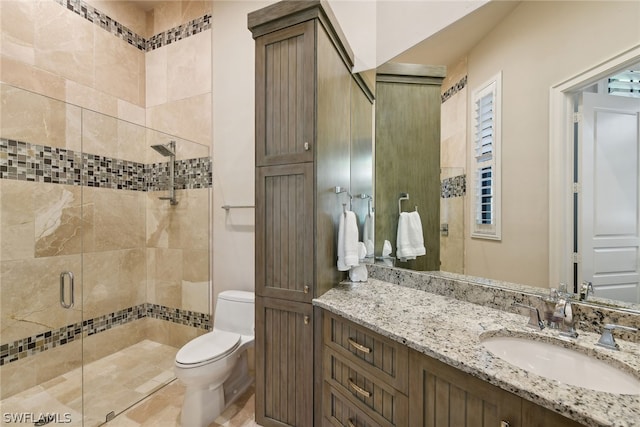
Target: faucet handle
pixel 534 316
pixel 607 340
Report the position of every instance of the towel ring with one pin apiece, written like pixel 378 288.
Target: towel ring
pixel 403 196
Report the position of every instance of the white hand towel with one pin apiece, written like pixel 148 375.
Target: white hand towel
pixel 409 243
pixel 347 241
pixel 386 249
pixel 367 234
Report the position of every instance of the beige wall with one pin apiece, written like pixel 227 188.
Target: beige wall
pixel 538 45
pixel 233 147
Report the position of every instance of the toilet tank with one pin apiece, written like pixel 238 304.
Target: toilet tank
pixel 235 312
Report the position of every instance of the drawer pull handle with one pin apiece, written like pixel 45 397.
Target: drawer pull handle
pixel 306 289
pixel 359 346
pixel 306 320
pixel 359 390
pixel 350 423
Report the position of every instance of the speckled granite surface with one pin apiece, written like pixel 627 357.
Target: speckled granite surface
pixel 502 295
pixel 450 329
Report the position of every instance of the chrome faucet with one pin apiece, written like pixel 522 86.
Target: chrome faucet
pixel 564 311
pixel 534 316
pixel 559 312
pixel 607 340
pixel 586 289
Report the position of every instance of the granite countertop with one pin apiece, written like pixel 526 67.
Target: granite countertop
pixel 449 330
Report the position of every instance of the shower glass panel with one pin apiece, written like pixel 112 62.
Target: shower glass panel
pixel 85 195
pixel 41 233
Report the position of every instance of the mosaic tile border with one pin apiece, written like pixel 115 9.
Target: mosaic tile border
pixel 23 161
pixel 30 346
pixel 453 187
pixel 453 90
pixel 164 38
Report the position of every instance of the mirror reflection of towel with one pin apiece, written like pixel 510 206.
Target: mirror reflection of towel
pixel 409 243
pixel 347 241
pixel 367 234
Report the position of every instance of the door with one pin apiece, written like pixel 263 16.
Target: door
pixel 608 218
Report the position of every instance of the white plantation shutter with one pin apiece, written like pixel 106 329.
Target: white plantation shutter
pixel 486 144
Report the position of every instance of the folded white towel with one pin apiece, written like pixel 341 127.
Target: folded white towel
pixel 367 234
pixel 347 241
pixel 386 249
pixel 409 243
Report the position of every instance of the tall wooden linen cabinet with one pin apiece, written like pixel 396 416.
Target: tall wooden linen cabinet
pixel 303 138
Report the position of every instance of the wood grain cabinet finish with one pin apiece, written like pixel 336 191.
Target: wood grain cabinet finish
pixel 364 373
pixel 441 396
pixel 284 231
pixel 285 89
pixel 303 136
pixel 284 359
pixel 380 356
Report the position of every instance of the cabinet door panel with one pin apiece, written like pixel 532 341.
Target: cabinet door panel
pixel 284 363
pixel 284 231
pixel 441 396
pixel 285 95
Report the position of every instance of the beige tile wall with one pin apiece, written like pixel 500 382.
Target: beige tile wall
pixel 136 248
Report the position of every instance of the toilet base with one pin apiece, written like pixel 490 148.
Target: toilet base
pixel 203 405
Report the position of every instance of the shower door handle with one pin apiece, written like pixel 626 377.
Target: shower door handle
pixel 63 299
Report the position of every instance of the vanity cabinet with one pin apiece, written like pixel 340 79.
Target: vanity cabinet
pixel 365 376
pixel 443 396
pixel 370 380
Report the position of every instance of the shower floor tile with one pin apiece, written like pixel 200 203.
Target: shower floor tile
pixel 112 383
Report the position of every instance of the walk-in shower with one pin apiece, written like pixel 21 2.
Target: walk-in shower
pixel 100 281
pixel 169 150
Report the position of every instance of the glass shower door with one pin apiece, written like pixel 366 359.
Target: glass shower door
pixel 41 232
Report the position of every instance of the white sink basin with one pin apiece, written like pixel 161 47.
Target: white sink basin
pixel 562 364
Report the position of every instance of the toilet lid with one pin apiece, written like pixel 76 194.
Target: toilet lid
pixel 208 347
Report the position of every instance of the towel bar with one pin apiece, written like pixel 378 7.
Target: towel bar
pixel 227 207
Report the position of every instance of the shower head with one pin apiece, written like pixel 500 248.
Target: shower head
pixel 166 150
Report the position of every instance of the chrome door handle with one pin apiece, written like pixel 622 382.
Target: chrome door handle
pixel 63 299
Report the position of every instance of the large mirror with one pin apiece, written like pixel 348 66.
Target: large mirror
pixel 552 57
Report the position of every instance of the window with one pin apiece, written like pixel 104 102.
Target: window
pixel 486 160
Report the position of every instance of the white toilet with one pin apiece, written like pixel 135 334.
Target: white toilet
pixel 213 367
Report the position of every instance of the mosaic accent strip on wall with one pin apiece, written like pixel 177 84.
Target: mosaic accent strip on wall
pixel 454 89
pixel 101 19
pixel 23 161
pixel 453 187
pixel 17 350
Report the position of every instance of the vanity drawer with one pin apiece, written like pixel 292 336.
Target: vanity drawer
pixel 368 392
pixel 339 411
pixel 377 355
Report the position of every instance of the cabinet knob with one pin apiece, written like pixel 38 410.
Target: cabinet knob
pixel 306 146
pixel 306 289
pixel 504 423
pixel 307 320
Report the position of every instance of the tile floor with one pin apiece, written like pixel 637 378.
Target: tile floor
pixel 115 383
pixel 162 409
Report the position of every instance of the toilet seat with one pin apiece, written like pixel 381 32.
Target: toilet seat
pixel 207 348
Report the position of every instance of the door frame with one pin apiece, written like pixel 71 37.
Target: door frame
pixel 561 157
